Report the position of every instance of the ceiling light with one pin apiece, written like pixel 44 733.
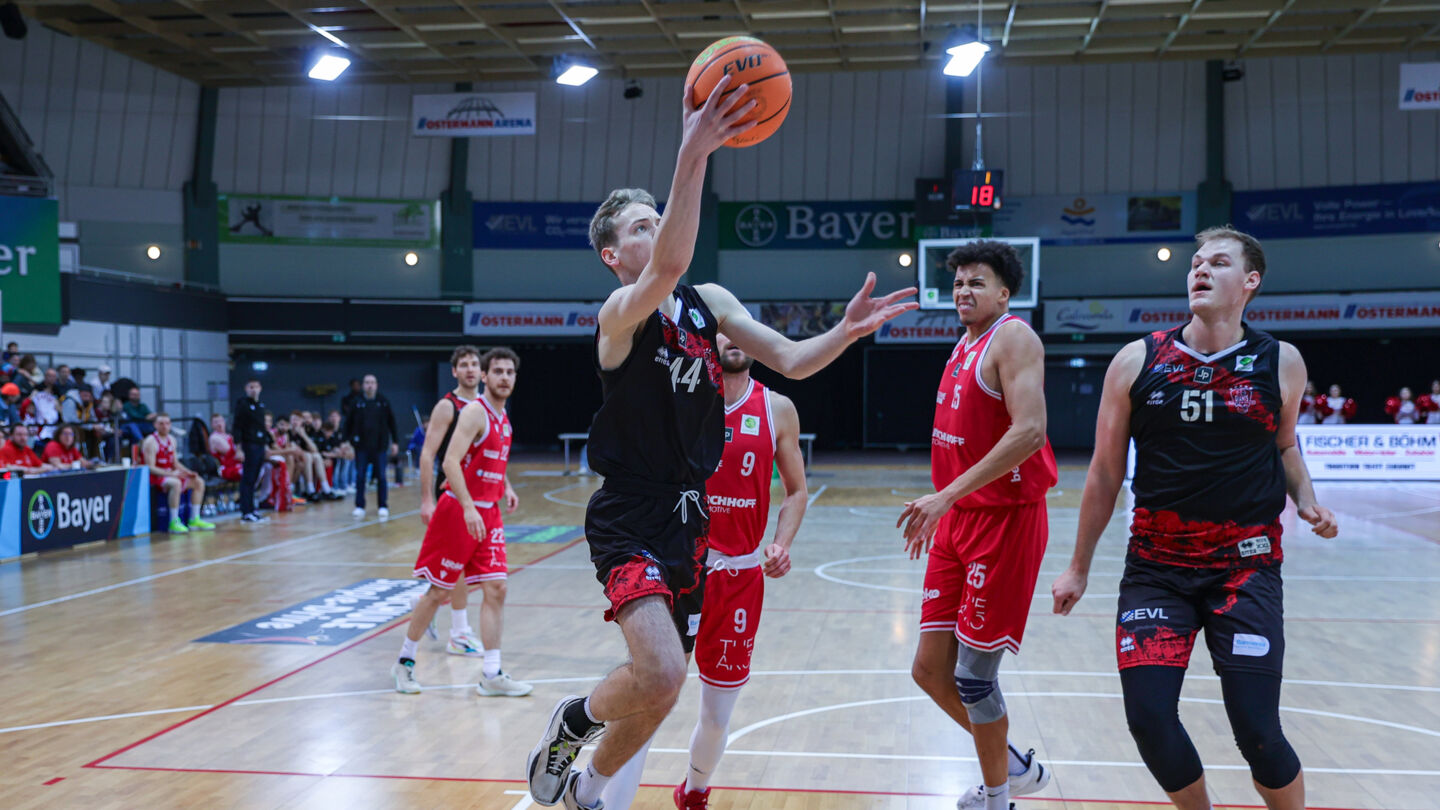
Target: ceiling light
pixel 965 58
pixel 906 259
pixel 153 252
pixel 328 67
pixel 1163 254
pixel 412 258
pixel 576 74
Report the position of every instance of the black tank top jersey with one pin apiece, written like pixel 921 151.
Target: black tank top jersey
pixel 457 403
pixel 662 421
pixel 1209 485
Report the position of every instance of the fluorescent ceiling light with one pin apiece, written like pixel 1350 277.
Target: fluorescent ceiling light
pixel 576 75
pixel 329 67
pixel 965 58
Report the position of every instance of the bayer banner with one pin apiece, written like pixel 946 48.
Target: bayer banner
pixel 472 115
pixel 329 619
pixel 818 225
pixel 59 511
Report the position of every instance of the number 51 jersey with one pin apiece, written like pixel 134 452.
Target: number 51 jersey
pixel 1209 485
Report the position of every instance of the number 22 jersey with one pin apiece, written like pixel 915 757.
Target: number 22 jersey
pixel 1209 484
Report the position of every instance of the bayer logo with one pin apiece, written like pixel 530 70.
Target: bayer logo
pixel 756 225
pixel 41 515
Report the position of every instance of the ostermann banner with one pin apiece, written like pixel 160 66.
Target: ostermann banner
pixel 531 318
pixel 1274 313
pixel 472 115
pixel 30 259
pixel 283 220
pixel 1420 86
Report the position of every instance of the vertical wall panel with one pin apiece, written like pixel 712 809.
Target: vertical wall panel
pixel 1256 119
pixel 1339 130
pixel 1364 121
pixel 1020 162
pixel 139 97
pixel 1045 90
pixel 1394 123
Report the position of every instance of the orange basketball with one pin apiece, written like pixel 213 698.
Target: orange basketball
pixel 746 60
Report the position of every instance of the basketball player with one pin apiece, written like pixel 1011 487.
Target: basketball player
pixel 167 473
pixel 465 534
pixel 1211 406
pixel 991 465
pixel 465 368
pixel 658 435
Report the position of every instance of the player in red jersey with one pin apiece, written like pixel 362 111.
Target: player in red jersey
pixel 228 457
pixel 991 465
pixel 465 367
pixel 466 536
pixel 168 474
pixel 1212 406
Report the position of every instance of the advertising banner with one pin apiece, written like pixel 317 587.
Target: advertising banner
pixel 818 225
pixel 533 225
pixel 929 326
pixel 328 620
pixel 59 511
pixel 279 220
pixel 1098 218
pixel 531 318
pixel 30 259
pixel 472 115
pixel 1338 210
pixel 1371 452
pixel 1420 86
pixel 1274 313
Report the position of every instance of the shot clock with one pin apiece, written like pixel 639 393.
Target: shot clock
pixel 977 189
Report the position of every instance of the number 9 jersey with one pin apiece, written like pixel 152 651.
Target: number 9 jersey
pixel 739 491
pixel 1209 485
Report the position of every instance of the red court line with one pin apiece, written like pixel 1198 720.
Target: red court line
pixel 53 781
pixel 267 684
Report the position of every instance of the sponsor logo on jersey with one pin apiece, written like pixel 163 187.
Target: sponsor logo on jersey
pixel 1245 362
pixel 1242 398
pixel 1127 644
pixel 1167 368
pixel 662 356
pixel 926 594
pixel 491 454
pixel 1157 397
pixel 697 318
pixel 938 435
pixel 451 564
pixel 652 573
pixel 1253 546
pixel 694 625
pixel 505 431
pixel 726 502
pixel 1143 613
pixel 729 435
pixel 939 397
pixel 969 358
pixel 1251 645
pixel 750 425
pixel 1204 374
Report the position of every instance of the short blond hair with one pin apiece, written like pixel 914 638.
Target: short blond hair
pixel 1249 247
pixel 603 226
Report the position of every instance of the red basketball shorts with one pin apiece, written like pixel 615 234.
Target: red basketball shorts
pixel 449 551
pixel 729 620
pixel 980 580
pixel 158 481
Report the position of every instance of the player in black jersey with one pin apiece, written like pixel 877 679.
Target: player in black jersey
pixel 658 435
pixel 1211 406
pixel 465 367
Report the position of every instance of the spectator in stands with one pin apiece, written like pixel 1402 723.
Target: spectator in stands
pixel 292 456
pixel 78 409
pixel 64 380
pixel 344 453
pixel 12 352
pixel 29 374
pixel 139 419
pixel 250 426
pixel 43 410
pixel 9 409
pixel 348 401
pixel 80 381
pixel 317 484
pixel 64 453
pixel 102 384
pixel 1402 408
pixel 162 456
pixel 1335 408
pixel 370 429
pixel 17 456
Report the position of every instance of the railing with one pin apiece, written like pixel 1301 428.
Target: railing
pixel 24 186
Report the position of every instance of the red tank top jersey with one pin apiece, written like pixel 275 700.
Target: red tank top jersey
pixel 970 418
pixel 738 494
pixel 227 459
pixel 164 452
pixel 484 463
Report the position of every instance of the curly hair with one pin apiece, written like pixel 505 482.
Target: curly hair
pixel 999 256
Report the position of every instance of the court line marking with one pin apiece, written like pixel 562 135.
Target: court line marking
pixel 1407 513
pixel 756 673
pixel 816 496
pixel 217 561
pixel 1288 577
pixel 550 496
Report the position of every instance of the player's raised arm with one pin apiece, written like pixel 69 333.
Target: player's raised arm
pixel 799 359
pixel 1297 475
pixel 704 130
pixel 1106 474
pixel 792 475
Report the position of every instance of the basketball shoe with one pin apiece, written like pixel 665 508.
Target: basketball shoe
pixel 502 685
pixel 404 673
pixel 548 769
pixel 572 803
pixel 1033 780
pixel 691 799
pixel 464 644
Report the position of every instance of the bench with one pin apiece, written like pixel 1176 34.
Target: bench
pixel 808 439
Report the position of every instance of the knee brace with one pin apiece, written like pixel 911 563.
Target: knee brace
pixel 975 677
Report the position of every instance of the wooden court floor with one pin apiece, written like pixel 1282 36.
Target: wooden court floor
pixel 111 703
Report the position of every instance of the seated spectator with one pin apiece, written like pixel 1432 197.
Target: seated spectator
pixel 64 380
pixel 168 474
pixel 139 419
pixel 102 383
pixel 28 374
pixel 105 411
pixel 78 408
pixel 341 452
pixel 64 453
pixel 17 456
pixel 12 352
pixel 42 408
pixel 1335 408
pixel 317 485
pixel 9 408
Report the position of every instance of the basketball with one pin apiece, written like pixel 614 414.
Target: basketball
pixel 746 60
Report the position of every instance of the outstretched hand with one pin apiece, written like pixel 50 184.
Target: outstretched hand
pixel 864 314
pixel 710 125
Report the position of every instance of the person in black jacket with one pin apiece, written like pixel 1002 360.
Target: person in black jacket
pixel 370 427
pixel 249 431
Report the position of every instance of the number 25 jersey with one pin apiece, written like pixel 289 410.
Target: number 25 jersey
pixel 1209 485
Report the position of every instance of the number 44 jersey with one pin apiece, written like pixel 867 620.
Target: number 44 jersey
pixel 662 420
pixel 1209 485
